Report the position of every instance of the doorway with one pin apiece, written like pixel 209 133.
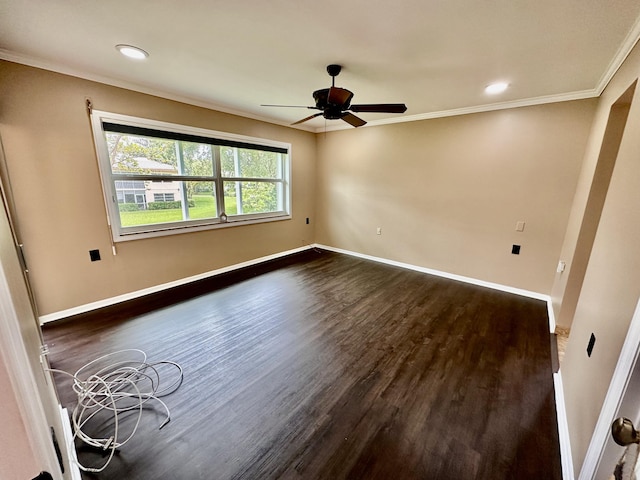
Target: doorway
pixel 20 349
pixel 603 453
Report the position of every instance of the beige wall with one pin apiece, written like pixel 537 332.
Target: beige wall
pixel 611 286
pixel 48 145
pixel 17 460
pixel 448 192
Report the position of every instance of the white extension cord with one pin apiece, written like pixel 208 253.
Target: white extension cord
pixel 118 382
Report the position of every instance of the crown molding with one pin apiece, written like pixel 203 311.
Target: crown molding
pixel 623 52
pixel 616 62
pixel 627 45
pixel 526 102
pixel 65 70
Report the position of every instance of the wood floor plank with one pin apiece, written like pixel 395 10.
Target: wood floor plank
pixel 334 367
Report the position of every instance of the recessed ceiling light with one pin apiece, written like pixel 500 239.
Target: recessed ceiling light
pixel 132 52
pixel 498 87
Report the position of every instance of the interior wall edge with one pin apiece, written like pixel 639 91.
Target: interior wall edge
pixel 600 174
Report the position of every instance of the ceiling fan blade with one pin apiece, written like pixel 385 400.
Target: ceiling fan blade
pixel 379 108
pixel 307 118
pixel 339 96
pixel 351 119
pixel 290 106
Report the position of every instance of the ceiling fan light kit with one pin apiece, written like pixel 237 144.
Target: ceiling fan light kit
pixel 334 103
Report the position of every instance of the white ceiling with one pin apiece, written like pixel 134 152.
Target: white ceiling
pixel 234 55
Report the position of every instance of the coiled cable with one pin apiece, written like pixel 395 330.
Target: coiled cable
pixel 117 385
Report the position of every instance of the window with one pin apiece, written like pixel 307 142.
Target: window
pixel 163 197
pixel 160 178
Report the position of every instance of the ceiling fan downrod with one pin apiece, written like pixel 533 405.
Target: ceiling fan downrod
pixel 334 71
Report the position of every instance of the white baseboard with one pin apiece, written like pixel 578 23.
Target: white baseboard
pixel 563 429
pixel 552 316
pixel 439 273
pixel 460 278
pixel 567 465
pixel 452 276
pixel 212 273
pixel 107 302
pixel 74 470
pixel 561 413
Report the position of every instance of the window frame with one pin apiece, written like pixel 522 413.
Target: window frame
pixel 224 139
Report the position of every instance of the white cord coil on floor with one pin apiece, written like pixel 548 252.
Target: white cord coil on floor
pixel 117 383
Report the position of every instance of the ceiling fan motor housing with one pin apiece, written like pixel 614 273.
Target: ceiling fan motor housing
pixel 342 98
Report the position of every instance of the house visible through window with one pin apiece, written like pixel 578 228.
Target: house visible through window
pixel 131 192
pixel 163 178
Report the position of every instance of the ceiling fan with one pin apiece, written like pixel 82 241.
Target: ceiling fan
pixel 335 103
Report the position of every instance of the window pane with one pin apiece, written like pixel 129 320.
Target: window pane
pixel 250 197
pixel 133 154
pixel 154 212
pixel 197 159
pixel 161 202
pixel 230 198
pixel 242 162
pixel 202 200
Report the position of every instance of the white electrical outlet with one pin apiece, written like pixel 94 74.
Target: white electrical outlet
pixel 561 266
pixel 379 231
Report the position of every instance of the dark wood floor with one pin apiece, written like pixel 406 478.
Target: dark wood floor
pixel 334 367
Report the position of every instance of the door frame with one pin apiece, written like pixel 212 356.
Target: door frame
pixel 617 388
pixel 22 378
